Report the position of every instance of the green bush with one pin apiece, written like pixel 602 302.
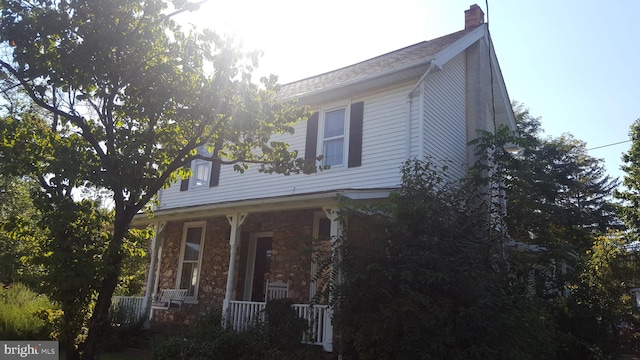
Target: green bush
pixel 20 310
pixel 284 328
pixel 207 339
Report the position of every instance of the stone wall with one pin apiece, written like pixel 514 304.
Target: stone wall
pixel 290 261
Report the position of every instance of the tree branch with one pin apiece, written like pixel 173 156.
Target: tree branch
pixel 76 120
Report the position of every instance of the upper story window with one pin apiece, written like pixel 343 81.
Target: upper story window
pixel 204 172
pixel 201 169
pixel 336 135
pixel 333 142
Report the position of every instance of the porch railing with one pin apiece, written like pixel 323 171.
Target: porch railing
pixel 127 310
pixel 320 331
pixel 244 314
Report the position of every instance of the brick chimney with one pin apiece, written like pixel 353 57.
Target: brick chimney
pixel 473 17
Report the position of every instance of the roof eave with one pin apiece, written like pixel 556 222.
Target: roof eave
pixel 423 63
pixel 286 202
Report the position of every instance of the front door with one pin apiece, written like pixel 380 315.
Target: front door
pixel 258 266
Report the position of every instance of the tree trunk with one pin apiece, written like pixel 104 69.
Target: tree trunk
pixel 99 323
pixel 70 333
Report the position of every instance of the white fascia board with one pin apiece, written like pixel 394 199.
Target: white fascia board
pixel 367 194
pixel 503 105
pixel 460 45
pixel 281 203
pixel 504 101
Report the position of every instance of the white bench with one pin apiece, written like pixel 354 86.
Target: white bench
pixel 169 298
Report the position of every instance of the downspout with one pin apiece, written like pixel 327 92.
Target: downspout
pixel 409 103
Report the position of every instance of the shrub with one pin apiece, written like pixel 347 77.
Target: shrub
pixel 207 339
pixel 284 328
pixel 20 310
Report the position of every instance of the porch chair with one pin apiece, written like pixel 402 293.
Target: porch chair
pixel 169 298
pixel 277 290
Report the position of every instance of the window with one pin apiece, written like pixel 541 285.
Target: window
pixel 333 141
pixel 191 258
pixel 205 173
pixel 340 135
pixel 201 173
pixel 201 169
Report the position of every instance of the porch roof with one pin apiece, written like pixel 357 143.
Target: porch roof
pixel 276 203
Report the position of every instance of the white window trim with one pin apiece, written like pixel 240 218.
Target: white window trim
pixel 191 299
pixel 193 181
pixel 347 124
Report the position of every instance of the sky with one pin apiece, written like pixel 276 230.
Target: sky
pixel 575 64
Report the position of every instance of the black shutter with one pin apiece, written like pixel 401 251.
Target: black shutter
pixel 312 139
pixel 184 184
pixel 355 134
pixel 214 179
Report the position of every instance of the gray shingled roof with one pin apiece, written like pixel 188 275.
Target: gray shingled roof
pixel 398 59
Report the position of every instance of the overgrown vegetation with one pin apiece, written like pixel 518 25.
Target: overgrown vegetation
pixel 24 314
pixel 600 315
pixel 278 338
pixel 424 277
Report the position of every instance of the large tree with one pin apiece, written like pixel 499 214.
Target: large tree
pixel 630 194
pixel 558 194
pixel 134 95
pixel 558 199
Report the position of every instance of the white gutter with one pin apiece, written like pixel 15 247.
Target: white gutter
pixel 432 64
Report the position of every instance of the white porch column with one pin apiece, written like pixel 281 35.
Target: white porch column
pixel 235 221
pixel 150 290
pixel 336 233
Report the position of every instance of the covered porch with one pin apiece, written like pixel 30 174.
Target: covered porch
pixel 224 256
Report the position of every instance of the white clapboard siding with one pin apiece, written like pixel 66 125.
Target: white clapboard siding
pixel 383 152
pixel 414 134
pixel 445 129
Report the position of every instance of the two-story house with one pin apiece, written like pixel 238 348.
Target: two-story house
pixel 222 236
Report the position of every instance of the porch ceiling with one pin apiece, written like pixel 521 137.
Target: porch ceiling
pixel 279 203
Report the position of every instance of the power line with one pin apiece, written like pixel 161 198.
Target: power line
pixel 612 144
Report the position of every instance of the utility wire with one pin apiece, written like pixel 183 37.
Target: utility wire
pixel 612 144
